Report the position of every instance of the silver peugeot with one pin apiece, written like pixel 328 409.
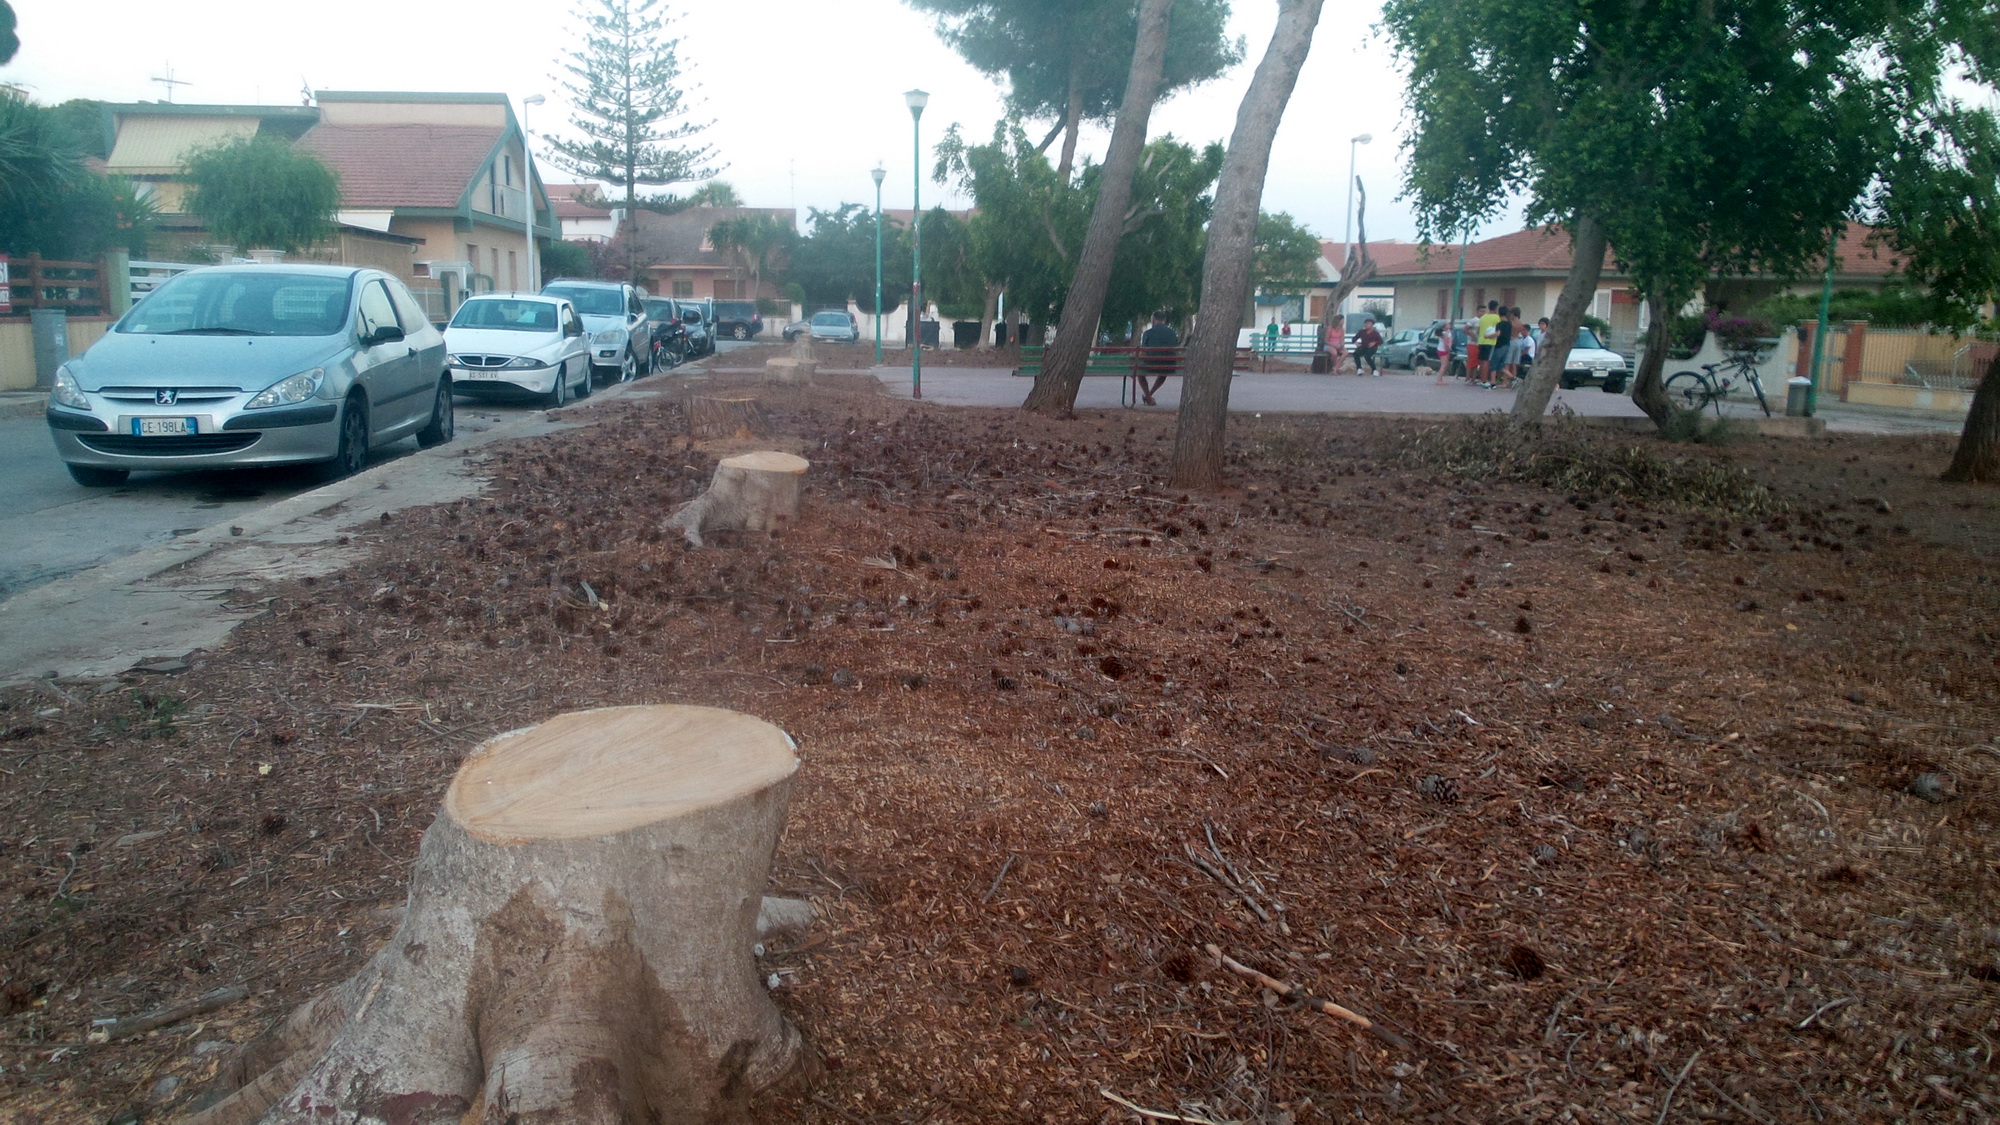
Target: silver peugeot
pixel 246 366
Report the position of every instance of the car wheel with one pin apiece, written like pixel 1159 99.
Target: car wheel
pixel 628 370
pixel 741 332
pixel 584 388
pixel 1566 383
pixel 1614 386
pixel 90 477
pixel 444 420
pixel 352 453
pixel 559 397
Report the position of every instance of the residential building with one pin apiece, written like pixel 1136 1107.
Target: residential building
pixel 150 142
pixel 584 222
pixel 678 258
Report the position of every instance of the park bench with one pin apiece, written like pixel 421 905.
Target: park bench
pixel 1267 347
pixel 1126 364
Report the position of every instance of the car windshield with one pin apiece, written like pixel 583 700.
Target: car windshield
pixel 832 318
pixel 515 316
pixel 1585 338
pixel 660 310
pixel 215 303
pixel 591 301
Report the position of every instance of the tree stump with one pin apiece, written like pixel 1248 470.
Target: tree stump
pixel 735 414
pixel 577 946
pixel 750 492
pixel 787 369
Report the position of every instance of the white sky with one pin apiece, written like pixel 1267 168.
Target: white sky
pixel 807 95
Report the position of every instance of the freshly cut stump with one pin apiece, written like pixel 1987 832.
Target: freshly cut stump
pixel 788 369
pixel 577 946
pixel 750 492
pixel 737 414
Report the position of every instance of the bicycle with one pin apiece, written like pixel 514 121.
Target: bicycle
pixel 1693 390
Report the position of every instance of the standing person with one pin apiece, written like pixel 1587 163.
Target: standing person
pixel 1365 344
pixel 1156 356
pixel 1479 353
pixel 1525 350
pixel 1498 347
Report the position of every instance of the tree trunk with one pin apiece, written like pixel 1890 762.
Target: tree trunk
pixel 1978 456
pixel 1054 393
pixel 750 492
pixel 1649 390
pixel 732 414
pixel 989 313
pixel 1232 240
pixel 1072 122
pixel 577 946
pixel 1587 263
pixel 1354 273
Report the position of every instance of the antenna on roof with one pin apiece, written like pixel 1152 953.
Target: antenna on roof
pixel 305 91
pixel 170 82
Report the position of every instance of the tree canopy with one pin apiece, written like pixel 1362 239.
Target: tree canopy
pixel 9 42
pixel 1067 61
pixel 757 240
pixel 1287 254
pixel 261 191
pixel 50 203
pixel 835 262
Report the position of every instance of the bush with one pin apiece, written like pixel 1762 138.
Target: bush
pixel 1740 334
pixel 1565 457
pixel 1685 335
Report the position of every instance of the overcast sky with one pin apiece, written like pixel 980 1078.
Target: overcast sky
pixel 805 97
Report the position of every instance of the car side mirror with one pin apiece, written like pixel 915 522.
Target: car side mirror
pixel 386 334
pixel 572 329
pixel 690 317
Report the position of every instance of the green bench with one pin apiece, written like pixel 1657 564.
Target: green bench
pixel 1127 364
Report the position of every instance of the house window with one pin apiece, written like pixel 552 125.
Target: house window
pixel 1507 298
pixel 684 289
pixel 472 256
pixel 1444 302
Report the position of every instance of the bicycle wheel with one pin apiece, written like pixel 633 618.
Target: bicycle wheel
pixel 1689 390
pixel 1757 384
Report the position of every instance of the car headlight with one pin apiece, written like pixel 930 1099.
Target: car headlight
pixel 65 392
pixel 285 392
pixel 524 361
pixel 608 336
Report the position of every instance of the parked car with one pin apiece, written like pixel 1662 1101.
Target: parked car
pixel 796 329
pixel 1591 362
pixel 515 342
pixel 614 318
pixel 738 320
pixel 245 366
pixel 1401 349
pixel 836 326
pixel 671 346
pixel 701 335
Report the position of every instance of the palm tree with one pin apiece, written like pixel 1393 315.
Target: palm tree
pixel 754 239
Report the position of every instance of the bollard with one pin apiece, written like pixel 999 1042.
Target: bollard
pixel 1798 390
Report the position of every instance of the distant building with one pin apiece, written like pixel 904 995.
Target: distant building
pixel 678 258
pixel 584 222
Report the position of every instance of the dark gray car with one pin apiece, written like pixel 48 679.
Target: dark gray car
pixel 1401 349
pixel 243 366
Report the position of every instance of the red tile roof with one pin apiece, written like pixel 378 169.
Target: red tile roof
pixel 563 198
pixel 402 165
pixel 1546 250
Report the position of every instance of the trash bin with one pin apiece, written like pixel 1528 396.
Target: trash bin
pixel 49 329
pixel 929 333
pixel 964 334
pixel 999 333
pixel 1797 390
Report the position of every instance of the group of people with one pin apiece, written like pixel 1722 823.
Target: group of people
pixel 1504 347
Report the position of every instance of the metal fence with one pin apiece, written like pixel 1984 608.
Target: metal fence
pixel 1923 359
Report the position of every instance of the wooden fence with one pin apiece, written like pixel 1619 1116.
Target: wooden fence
pixel 78 288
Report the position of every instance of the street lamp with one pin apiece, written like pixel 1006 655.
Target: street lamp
pixel 878 174
pixel 528 184
pixel 1347 232
pixel 916 100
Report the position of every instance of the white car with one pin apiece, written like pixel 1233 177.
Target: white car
pixel 1591 362
pixel 518 342
pixel 614 319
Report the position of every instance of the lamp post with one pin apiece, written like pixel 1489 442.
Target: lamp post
pixel 878 174
pixel 916 100
pixel 528 184
pixel 1347 232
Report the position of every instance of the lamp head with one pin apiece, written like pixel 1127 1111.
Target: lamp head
pixel 533 99
pixel 916 100
pixel 1364 138
pixel 878 174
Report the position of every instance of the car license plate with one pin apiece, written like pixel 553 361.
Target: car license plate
pixel 164 427
pixel 475 376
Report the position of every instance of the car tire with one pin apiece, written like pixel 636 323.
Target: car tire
pixel 350 455
pixel 443 425
pixel 559 397
pixel 89 476
pixel 1614 386
pixel 741 332
pixel 1566 383
pixel 584 388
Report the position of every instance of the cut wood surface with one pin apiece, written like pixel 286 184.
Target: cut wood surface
pixel 577 946
pixel 727 414
pixel 788 369
pixel 750 492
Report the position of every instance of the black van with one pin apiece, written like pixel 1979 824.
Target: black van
pixel 738 320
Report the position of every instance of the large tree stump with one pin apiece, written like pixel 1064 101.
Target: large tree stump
pixel 790 370
pixel 577 946
pixel 728 414
pixel 750 492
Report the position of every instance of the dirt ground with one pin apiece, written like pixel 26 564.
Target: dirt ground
pixel 1605 810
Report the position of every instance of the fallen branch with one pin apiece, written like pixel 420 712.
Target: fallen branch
pixel 994 889
pixel 113 1030
pixel 1306 1000
pixel 1159 1115
pixel 1667 1103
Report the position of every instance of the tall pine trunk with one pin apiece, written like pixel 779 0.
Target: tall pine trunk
pixel 1586 265
pixel 1649 390
pixel 1232 239
pixel 1062 366
pixel 1978 457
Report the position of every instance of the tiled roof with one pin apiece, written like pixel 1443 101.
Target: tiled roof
pixel 563 198
pixel 1389 254
pixel 677 239
pixel 1546 250
pixel 402 165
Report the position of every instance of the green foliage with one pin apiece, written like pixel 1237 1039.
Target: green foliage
pixel 1287 255
pixel 716 193
pixel 1685 336
pixel 1053 55
pixel 1026 224
pixel 625 82
pixel 1939 196
pixel 260 191
pixel 1696 427
pixel 758 240
pixel 564 259
pixel 1896 306
pixel 835 263
pixel 50 204
pixel 951 276
pixel 1566 457
pixel 1158 266
pixel 9 42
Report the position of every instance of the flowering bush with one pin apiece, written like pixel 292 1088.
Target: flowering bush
pixel 1739 334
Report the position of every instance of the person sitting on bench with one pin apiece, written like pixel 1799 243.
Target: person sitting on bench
pixel 1158 363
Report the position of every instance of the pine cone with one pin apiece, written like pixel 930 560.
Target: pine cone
pixel 1443 790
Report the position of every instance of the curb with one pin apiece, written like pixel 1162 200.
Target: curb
pixel 23 404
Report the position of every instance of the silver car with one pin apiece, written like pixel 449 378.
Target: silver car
pixel 245 366
pixel 515 342
pixel 614 317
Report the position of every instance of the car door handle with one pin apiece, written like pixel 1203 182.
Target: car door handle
pixel 408 352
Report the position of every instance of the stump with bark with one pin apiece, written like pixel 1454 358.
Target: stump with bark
pixel 727 414
pixel 750 492
pixel 789 370
pixel 577 945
